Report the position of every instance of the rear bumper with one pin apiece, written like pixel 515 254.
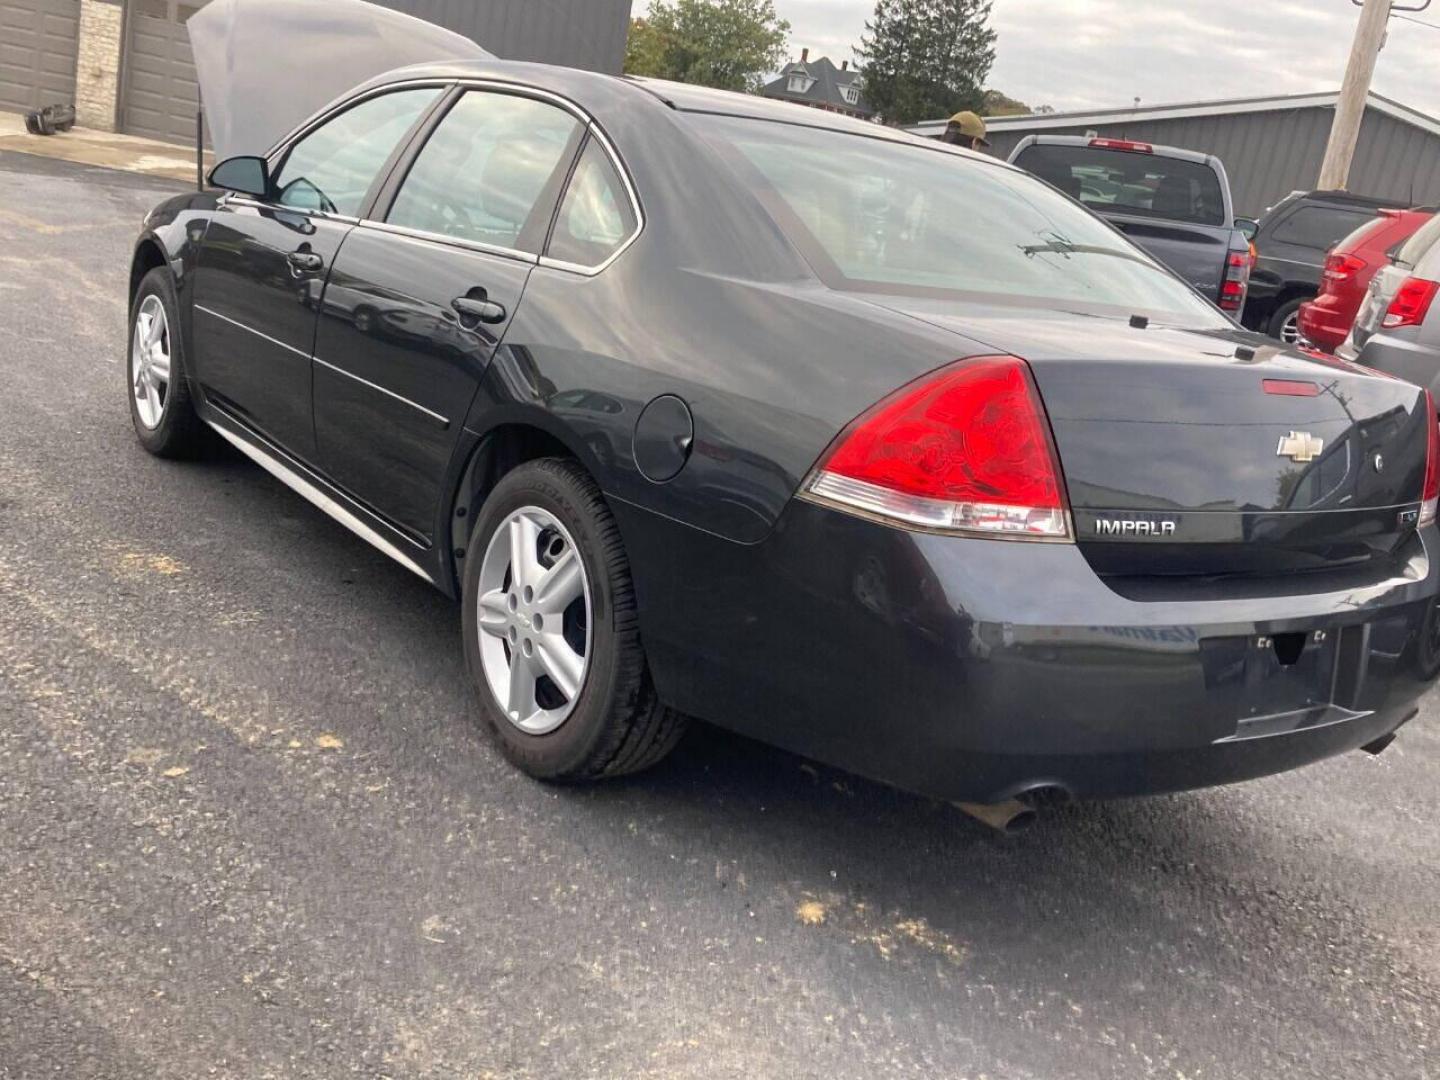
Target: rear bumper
pixel 979 669
pixel 1325 322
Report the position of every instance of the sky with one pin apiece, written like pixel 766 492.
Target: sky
pixel 1084 54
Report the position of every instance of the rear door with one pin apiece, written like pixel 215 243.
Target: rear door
pixel 263 264
pixel 418 301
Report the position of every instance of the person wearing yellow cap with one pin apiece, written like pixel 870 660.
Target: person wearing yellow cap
pixel 966 129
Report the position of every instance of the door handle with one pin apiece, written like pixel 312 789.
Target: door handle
pixel 480 310
pixel 306 262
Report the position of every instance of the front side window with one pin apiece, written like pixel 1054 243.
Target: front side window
pixel 331 169
pixel 877 215
pixel 482 173
pixel 596 217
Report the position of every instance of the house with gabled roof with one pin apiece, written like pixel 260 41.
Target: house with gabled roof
pixel 821 85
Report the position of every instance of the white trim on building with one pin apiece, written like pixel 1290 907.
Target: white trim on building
pixel 1096 118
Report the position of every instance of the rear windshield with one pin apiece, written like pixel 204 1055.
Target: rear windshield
pixel 883 216
pixel 1130 182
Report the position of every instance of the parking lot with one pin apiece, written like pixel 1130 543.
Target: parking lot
pixel 248 826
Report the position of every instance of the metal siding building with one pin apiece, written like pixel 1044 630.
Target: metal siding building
pixel 573 33
pixel 1270 146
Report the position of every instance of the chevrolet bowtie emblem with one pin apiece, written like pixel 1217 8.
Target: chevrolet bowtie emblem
pixel 1300 446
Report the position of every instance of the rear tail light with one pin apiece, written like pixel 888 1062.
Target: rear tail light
pixel 964 450
pixel 1411 303
pixel 1237 275
pixel 1123 144
pixel 1430 496
pixel 1339 268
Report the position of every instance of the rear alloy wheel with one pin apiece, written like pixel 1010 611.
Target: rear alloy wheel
pixel 551 633
pixel 534 615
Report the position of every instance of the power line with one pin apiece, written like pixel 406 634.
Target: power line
pixel 1412 19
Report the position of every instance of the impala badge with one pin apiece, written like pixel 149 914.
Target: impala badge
pixel 1300 446
pixel 1115 527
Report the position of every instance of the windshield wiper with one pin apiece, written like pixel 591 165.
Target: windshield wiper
pixel 1065 247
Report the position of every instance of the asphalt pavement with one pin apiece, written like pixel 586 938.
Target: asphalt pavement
pixel 249 826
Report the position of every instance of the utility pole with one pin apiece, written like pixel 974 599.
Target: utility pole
pixel 1350 109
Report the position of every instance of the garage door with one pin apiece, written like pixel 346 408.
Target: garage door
pixel 37 52
pixel 159 95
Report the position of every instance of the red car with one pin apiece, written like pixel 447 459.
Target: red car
pixel 1349 266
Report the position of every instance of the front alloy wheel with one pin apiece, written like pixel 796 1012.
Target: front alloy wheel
pixel 150 362
pixel 534 618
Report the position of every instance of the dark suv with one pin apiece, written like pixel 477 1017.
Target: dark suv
pixel 1290 247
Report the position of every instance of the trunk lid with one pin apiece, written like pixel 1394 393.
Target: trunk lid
pixel 1192 452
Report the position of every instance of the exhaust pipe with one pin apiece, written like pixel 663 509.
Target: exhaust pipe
pixel 1008 818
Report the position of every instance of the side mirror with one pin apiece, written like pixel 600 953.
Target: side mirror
pixel 1248 227
pixel 243 175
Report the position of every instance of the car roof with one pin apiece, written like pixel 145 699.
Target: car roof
pixel 681 97
pixel 1157 149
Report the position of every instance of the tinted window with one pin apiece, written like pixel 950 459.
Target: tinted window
pixel 1421 243
pixel 332 168
pixel 484 169
pixel 1319 226
pixel 596 216
pixel 876 215
pixel 1131 183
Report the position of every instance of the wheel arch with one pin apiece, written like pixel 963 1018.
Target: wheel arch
pixel 498 450
pixel 149 255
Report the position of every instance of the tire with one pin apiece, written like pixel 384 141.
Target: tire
pixel 1288 312
pixel 177 431
pixel 615 724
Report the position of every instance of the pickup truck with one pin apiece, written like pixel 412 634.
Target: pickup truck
pixel 1174 203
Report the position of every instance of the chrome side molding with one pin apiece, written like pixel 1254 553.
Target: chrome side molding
pixel 304 488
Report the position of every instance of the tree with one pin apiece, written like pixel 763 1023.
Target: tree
pixel 925 59
pixel 729 44
pixel 994 103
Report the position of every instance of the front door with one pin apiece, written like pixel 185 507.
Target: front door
pixel 263 264
pixel 416 306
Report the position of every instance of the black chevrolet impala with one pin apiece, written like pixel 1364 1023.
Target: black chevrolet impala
pixel 878 450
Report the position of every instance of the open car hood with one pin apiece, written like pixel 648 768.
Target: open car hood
pixel 264 66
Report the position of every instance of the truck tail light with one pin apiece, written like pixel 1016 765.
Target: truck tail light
pixel 1430 496
pixel 965 450
pixel 1237 276
pixel 1411 303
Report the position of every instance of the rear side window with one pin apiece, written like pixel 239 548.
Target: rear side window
pixel 331 169
pixel 879 215
pixel 596 216
pixel 1148 185
pixel 483 172
pixel 1319 226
